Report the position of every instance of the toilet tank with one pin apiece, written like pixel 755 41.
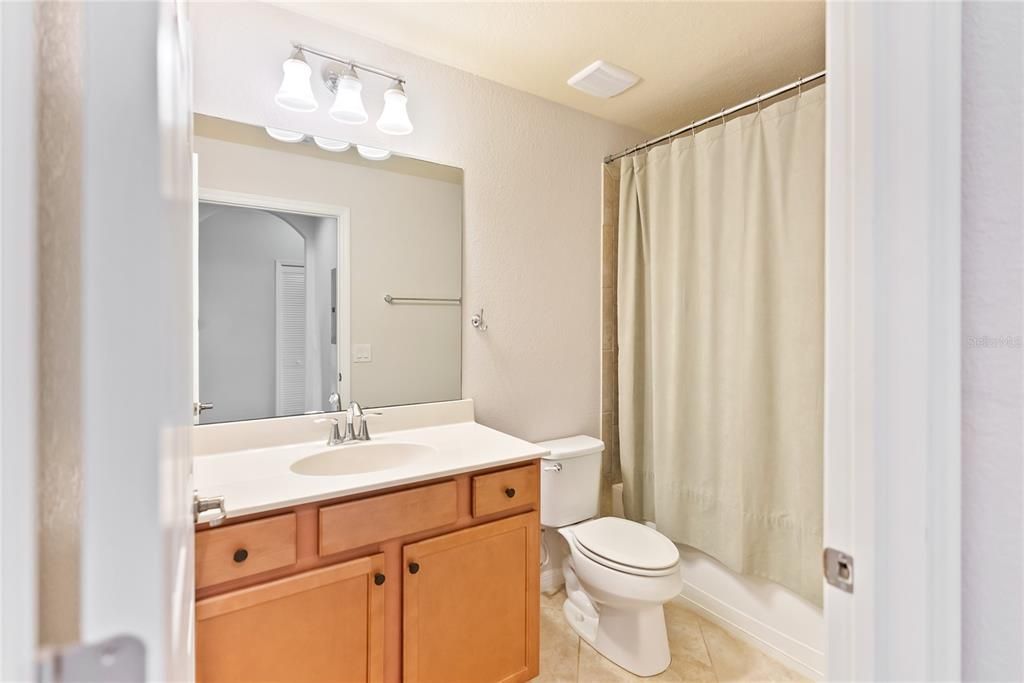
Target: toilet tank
pixel 570 480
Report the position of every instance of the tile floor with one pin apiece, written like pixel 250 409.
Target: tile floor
pixel 701 651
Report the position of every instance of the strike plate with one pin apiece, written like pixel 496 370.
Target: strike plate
pixel 839 569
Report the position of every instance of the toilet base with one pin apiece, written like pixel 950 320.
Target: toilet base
pixel 634 639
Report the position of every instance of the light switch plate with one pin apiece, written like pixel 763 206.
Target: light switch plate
pixel 362 353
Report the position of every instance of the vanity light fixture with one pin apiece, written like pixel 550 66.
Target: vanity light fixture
pixel 296 92
pixel 282 135
pixel 329 145
pixel 348 97
pixel 394 120
pixel 373 153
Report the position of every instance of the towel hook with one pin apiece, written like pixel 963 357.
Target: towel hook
pixel 477 321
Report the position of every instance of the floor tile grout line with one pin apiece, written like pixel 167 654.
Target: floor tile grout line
pixel 579 655
pixel 707 650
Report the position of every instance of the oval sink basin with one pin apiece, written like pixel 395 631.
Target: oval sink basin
pixel 362 458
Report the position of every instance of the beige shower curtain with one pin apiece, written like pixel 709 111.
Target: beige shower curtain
pixel 721 303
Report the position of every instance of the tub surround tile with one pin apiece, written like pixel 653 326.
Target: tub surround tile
pixel 609 320
pixel 610 469
pixel 609 389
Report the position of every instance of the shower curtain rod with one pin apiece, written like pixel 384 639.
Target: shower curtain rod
pixel 720 115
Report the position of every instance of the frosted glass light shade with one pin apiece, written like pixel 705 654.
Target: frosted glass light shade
pixel 348 101
pixel 394 120
pixel 296 92
pixel 282 135
pixel 329 145
pixel 373 153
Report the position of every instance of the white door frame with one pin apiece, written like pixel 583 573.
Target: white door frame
pixel 18 338
pixel 343 283
pixel 892 406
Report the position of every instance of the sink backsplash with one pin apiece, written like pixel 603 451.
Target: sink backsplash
pixel 282 431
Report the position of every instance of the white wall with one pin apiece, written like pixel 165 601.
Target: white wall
pixel 532 203
pixel 237 309
pixel 992 252
pixel 405 240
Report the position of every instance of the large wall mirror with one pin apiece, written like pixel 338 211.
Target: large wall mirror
pixel 320 271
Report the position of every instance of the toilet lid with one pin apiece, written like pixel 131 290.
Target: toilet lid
pixel 627 543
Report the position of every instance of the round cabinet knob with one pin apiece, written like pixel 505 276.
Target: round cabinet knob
pixel 414 567
pixel 378 579
pixel 510 492
pixel 241 555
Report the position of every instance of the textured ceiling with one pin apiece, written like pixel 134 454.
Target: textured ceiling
pixel 694 58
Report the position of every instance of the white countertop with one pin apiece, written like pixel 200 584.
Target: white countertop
pixel 260 479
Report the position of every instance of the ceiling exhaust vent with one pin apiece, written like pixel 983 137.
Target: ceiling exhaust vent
pixel 602 79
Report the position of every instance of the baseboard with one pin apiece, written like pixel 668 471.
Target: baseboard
pixel 794 654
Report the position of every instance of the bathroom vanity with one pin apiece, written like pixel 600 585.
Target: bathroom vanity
pixel 425 571
pixel 410 551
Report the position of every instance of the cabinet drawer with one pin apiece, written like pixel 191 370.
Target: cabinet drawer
pixel 240 550
pixel 371 520
pixel 505 490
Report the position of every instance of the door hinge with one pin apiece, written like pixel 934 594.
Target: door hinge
pixel 121 659
pixel 839 569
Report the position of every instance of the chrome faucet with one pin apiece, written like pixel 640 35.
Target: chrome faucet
pixel 356 411
pixel 353 413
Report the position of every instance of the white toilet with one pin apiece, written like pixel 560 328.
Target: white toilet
pixel 618 573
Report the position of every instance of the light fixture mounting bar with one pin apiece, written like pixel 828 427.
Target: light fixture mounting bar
pixel 348 62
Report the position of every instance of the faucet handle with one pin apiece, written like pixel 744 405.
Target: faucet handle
pixel 335 438
pixel 334 400
pixel 364 430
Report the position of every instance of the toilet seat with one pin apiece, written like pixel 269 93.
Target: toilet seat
pixel 626 546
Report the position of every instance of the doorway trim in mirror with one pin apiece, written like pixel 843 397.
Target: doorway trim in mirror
pixel 342 282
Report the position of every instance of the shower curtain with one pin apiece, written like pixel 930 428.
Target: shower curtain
pixel 721 319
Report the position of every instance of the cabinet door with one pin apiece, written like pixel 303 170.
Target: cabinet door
pixel 322 625
pixel 471 604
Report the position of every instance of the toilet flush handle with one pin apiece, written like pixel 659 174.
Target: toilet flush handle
pixel 557 467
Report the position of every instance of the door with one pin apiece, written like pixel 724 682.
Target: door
pixel 471 606
pixel 892 340
pixel 18 343
pixel 323 625
pixel 289 338
pixel 136 539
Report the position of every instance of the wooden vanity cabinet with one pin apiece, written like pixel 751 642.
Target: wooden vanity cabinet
pixel 322 625
pixel 471 604
pixel 437 581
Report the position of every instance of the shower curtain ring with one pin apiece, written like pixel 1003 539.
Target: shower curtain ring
pixel 799 87
pixel 693 130
pixel 759 103
pixel 722 114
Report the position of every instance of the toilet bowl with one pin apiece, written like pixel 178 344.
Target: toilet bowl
pixel 618 574
pixel 616 603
